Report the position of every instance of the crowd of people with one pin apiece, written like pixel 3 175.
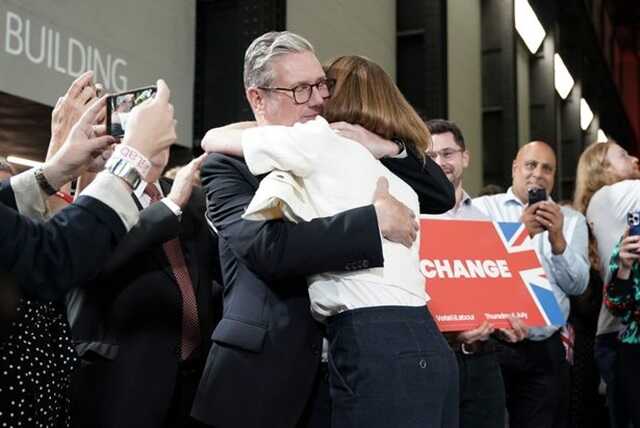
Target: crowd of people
pixel 285 290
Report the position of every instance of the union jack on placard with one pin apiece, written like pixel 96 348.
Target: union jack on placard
pixel 515 238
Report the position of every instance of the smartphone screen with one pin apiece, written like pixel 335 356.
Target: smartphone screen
pixel 119 107
pixel 633 220
pixel 537 195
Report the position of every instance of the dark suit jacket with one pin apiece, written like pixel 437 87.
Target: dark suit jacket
pixel 267 347
pixel 50 258
pixel 127 324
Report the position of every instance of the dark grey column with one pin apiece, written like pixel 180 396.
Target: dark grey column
pixel 224 30
pixel 422 55
pixel 499 103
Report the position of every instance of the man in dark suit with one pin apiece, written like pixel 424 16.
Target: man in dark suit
pixel 143 327
pixel 263 369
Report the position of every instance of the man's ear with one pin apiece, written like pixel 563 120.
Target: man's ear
pixel 465 159
pixel 256 100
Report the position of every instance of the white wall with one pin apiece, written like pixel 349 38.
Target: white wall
pixel 44 44
pixel 465 82
pixel 347 27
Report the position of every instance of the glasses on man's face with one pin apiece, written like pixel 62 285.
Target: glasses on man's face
pixel 446 154
pixel 301 93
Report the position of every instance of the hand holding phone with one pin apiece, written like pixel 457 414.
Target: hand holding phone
pixel 537 195
pixel 151 127
pixel 119 107
pixel 633 220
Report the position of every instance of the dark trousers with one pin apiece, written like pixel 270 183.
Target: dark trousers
pixel 606 355
pixel 317 414
pixel 179 414
pixel 482 397
pixel 390 367
pixel 536 378
pixel 628 375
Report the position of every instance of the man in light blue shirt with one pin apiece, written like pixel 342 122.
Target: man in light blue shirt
pixel 535 371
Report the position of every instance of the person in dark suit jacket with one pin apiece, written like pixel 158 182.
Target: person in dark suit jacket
pixel 46 259
pixel 263 369
pixel 127 324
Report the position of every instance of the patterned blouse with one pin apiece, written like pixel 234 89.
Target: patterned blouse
pixel 622 298
pixel 36 363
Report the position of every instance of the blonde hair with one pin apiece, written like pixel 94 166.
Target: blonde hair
pixel 592 174
pixel 366 95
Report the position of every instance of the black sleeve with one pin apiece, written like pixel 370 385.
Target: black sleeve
pixel 279 249
pixel 7 197
pixel 48 259
pixel 157 225
pixel 435 192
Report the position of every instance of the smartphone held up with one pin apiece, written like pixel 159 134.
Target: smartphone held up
pixel 633 220
pixel 119 107
pixel 537 194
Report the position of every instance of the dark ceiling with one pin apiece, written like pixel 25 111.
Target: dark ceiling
pixel 625 15
pixel 25 127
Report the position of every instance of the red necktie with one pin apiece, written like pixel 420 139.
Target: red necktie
pixel 190 324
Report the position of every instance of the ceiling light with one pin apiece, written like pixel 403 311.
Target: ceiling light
pixel 601 136
pixel 562 79
pixel 528 25
pixel 586 115
pixel 21 161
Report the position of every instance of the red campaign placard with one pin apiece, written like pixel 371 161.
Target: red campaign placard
pixel 478 270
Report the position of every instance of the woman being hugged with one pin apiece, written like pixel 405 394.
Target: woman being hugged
pixel 388 363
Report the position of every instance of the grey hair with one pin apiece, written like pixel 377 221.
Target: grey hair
pixel 262 51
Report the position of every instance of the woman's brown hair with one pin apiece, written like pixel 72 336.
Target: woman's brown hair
pixel 366 95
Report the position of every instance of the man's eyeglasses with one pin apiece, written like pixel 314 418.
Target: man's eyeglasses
pixel 302 92
pixel 446 154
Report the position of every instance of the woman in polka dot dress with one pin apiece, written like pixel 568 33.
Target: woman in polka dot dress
pixel 36 363
pixel 37 357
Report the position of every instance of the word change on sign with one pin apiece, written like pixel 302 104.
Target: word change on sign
pixel 478 270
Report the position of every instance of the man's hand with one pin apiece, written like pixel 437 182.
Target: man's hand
pixel 68 110
pixel 85 142
pixel 397 222
pixel 378 146
pixel 184 182
pixel 98 163
pixel 481 333
pixel 518 331
pixel 151 126
pixel 550 216
pixel 529 219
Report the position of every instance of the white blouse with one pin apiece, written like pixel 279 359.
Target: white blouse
pixel 318 173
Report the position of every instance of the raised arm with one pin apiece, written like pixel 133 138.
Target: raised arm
pixel 226 140
pixel 50 258
pixel 435 193
pixel 267 148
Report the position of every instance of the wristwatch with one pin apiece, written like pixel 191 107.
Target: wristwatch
pixel 43 182
pixel 125 170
